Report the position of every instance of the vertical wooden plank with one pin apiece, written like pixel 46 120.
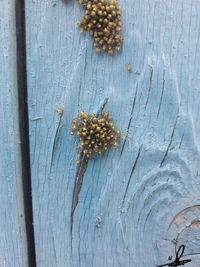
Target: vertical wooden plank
pixel 13 241
pixel 139 202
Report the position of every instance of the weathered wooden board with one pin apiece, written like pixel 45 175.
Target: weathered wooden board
pixel 13 243
pixel 138 202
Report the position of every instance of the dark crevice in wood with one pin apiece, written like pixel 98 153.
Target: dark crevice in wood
pixel 80 176
pixel 150 86
pixel 161 98
pixel 129 123
pixel 131 174
pixel 77 188
pixel 181 140
pixel 103 106
pixel 170 142
pixel 24 128
pixel 56 138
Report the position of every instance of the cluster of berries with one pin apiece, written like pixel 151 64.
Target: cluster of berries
pixel 102 19
pixel 96 134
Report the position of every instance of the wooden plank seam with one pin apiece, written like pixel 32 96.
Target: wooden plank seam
pixel 24 128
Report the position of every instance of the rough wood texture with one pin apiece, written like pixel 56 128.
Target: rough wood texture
pixel 13 243
pixel 138 202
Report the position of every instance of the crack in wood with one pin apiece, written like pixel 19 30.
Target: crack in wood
pixel 161 98
pixel 181 141
pixel 79 178
pixel 79 95
pixel 100 111
pixel 170 142
pixel 56 138
pixel 150 86
pixel 85 64
pixel 77 188
pixel 84 70
pixel 131 174
pixel 129 123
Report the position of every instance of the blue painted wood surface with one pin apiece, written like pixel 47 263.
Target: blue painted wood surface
pixel 139 202
pixel 13 243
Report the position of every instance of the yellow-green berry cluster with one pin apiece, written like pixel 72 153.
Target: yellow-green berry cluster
pixel 102 19
pixel 96 134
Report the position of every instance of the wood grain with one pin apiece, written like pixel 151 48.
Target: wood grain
pixel 130 198
pixel 13 241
